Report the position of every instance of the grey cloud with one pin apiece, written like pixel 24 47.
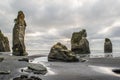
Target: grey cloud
pixel 66 18
pixel 115 32
pixel 100 14
pixel 48 14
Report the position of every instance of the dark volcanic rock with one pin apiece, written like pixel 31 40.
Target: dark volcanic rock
pixel 4 72
pixel 18 35
pixel 36 69
pixel 1 59
pixel 24 59
pixel 25 77
pixel 4 43
pixel 35 78
pixel 117 71
pixel 59 52
pixel 107 46
pixel 79 43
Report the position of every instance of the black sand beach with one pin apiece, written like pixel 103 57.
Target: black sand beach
pixel 93 69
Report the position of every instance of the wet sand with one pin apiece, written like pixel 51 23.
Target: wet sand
pixel 93 69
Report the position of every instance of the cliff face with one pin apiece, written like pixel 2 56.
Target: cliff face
pixel 4 43
pixel 79 43
pixel 19 48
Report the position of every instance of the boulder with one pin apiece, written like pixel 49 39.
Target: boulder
pixel 4 43
pixel 19 48
pixel 107 46
pixel 59 52
pixel 35 69
pixel 79 43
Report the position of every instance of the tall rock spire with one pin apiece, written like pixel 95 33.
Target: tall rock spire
pixel 19 48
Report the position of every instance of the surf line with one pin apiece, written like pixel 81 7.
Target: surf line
pixel 44 62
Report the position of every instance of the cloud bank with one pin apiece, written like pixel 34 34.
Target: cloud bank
pixel 51 21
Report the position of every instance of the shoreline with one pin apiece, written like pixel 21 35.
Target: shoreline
pixel 63 70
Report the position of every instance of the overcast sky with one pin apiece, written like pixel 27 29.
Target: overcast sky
pixel 51 21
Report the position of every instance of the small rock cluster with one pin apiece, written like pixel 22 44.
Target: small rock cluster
pixel 25 77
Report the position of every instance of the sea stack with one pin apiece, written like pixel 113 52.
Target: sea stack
pixel 79 42
pixel 59 52
pixel 19 48
pixel 107 46
pixel 4 43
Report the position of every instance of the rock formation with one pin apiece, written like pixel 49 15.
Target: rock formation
pixel 18 35
pixel 107 46
pixel 59 52
pixel 79 43
pixel 4 43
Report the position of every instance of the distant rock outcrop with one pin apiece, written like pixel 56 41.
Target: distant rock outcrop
pixel 18 35
pixel 107 46
pixel 4 43
pixel 79 43
pixel 59 52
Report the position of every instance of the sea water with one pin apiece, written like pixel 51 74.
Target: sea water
pixel 94 53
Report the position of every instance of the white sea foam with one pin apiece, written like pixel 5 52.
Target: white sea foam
pixel 50 72
pixel 43 60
